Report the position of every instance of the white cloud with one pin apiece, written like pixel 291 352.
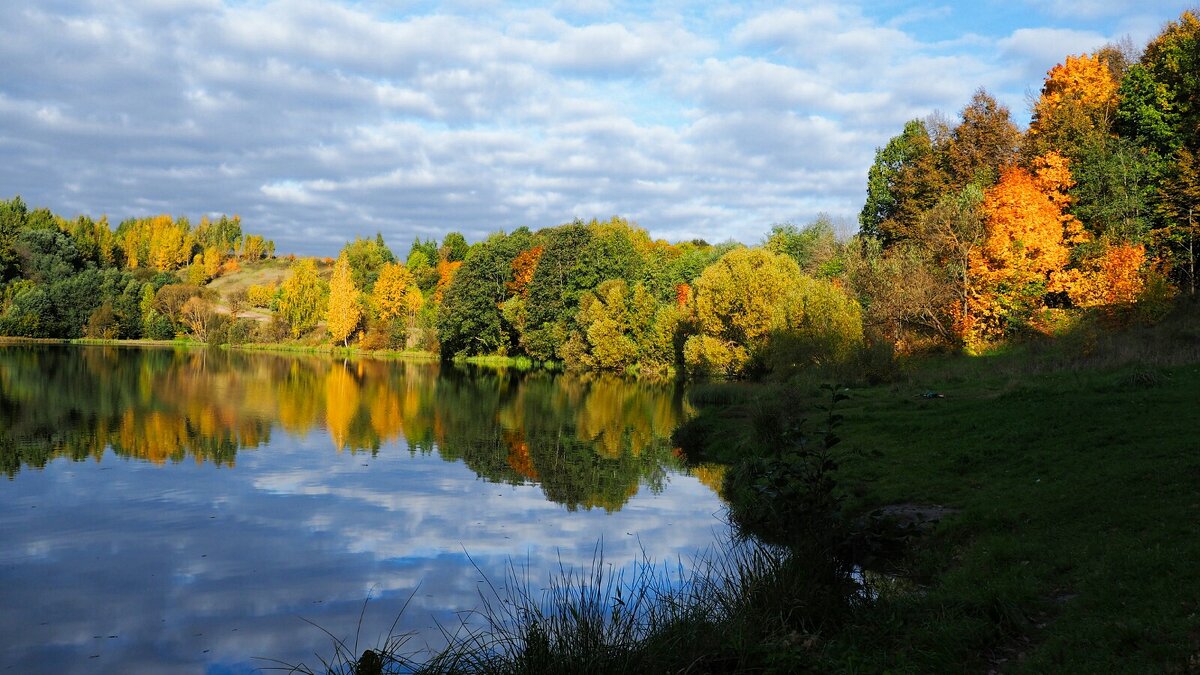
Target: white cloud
pixel 348 118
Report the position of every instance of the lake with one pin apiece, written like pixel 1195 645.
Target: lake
pixel 176 510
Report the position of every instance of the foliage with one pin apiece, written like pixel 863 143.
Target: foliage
pixel 303 297
pixel 345 312
pixel 755 309
pixel 983 143
pixel 367 258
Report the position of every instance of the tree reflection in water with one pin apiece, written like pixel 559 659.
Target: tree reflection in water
pixel 588 441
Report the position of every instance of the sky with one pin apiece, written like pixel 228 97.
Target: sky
pixel 318 121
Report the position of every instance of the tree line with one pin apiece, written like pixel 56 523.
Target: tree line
pixel 973 233
pixel 63 278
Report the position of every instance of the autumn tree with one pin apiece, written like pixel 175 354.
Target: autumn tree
pixel 1027 242
pixel 170 299
pixel 367 258
pixel 344 309
pixel 752 302
pixel 302 297
pixel 198 317
pixel 614 324
pixel 1078 102
pixel 237 301
pixel 391 297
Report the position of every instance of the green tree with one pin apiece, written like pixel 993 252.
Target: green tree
pixel 367 258
pixel 814 247
pixel 905 180
pixel 470 320
pixel 454 247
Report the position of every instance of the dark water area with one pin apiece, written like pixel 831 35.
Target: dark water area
pixel 189 511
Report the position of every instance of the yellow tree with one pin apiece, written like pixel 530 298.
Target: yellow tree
pixel 753 306
pixel 1078 100
pixel 391 293
pixel 344 310
pixel 445 272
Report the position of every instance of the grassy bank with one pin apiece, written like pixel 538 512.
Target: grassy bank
pixel 1073 469
pixel 281 347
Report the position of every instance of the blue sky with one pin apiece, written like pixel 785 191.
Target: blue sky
pixel 318 121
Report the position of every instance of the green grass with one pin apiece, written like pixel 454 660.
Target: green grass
pixel 1076 476
pixel 1077 540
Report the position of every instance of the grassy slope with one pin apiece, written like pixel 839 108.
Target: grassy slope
pixel 272 271
pixel 1077 547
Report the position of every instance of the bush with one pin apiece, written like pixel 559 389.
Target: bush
pixel 159 327
pixel 241 331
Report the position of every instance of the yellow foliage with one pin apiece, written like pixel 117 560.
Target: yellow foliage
pixel 1083 85
pixel 390 297
pixel 344 310
pixel 754 304
pixel 341 404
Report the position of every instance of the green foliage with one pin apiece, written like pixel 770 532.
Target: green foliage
pixel 614 324
pixel 471 320
pixel 224 234
pixel 454 247
pixel 427 250
pixel 814 247
pixel 367 257
pixel 1115 188
pixel 1145 114
pixel 904 179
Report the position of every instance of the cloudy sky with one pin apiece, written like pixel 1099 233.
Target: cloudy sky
pixel 321 120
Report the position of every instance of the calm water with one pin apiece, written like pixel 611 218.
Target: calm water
pixel 186 511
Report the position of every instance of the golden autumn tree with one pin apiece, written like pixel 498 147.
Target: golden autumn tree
pixel 344 309
pixel 1026 245
pixel 390 297
pixel 445 272
pixel 1079 97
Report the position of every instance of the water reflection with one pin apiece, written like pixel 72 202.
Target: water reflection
pixel 589 441
pixel 227 494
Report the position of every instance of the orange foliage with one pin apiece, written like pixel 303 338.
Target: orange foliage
pixel 1084 83
pixel 683 295
pixel 1114 278
pixel 1026 245
pixel 445 270
pixel 523 267
pixel 518 455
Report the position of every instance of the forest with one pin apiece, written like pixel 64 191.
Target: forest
pixel 973 234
